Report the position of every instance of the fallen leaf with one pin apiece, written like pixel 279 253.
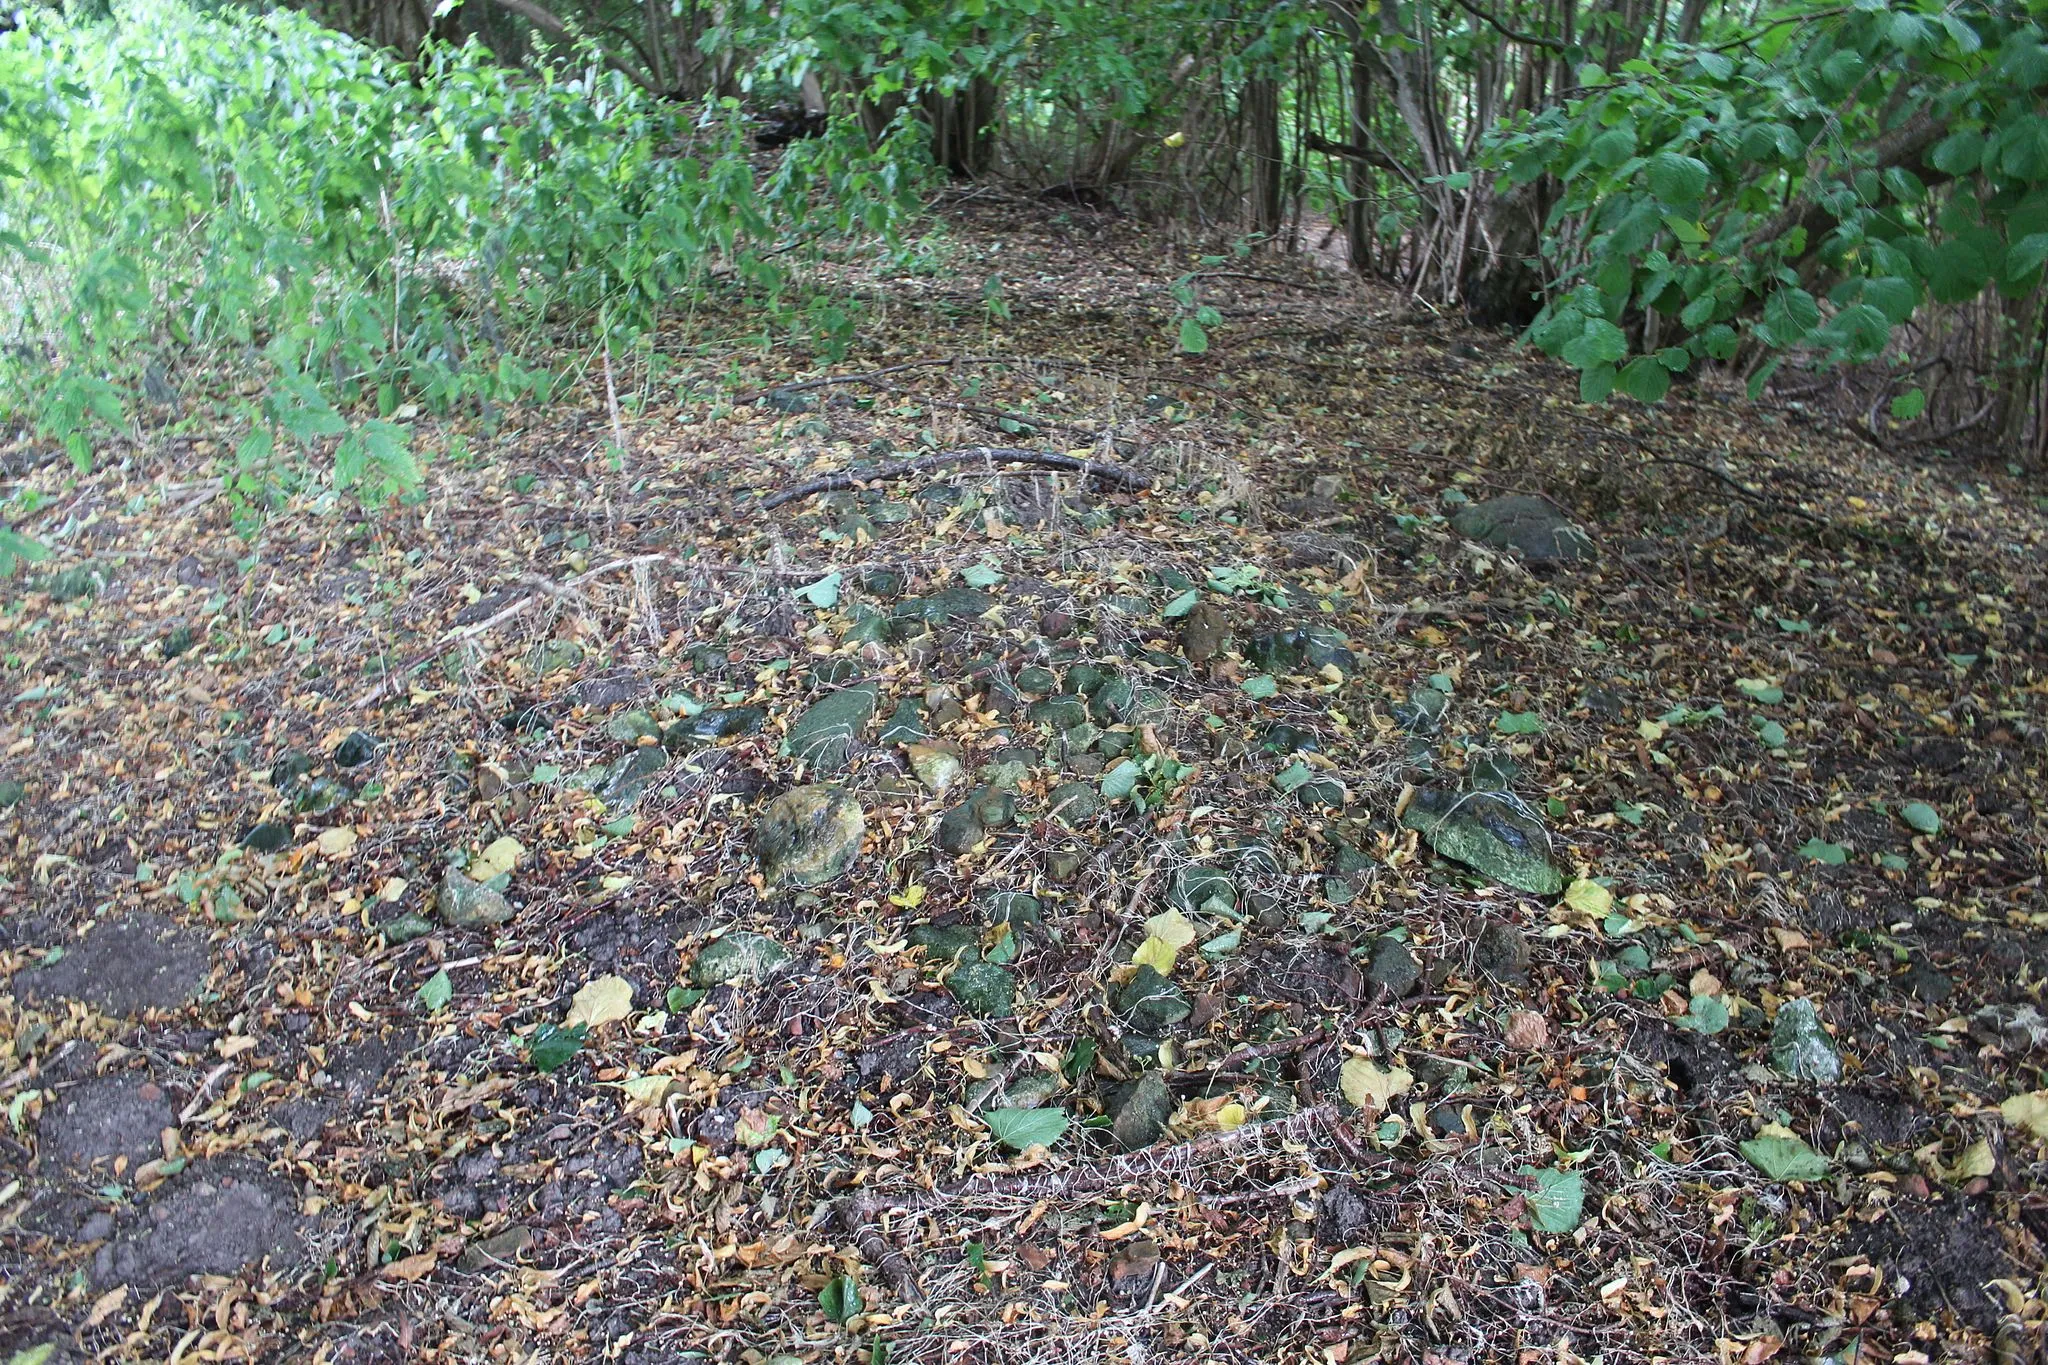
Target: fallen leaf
pixel 500 858
pixel 1156 953
pixel 1172 927
pixel 606 1000
pixel 2028 1111
pixel 105 1305
pixel 1527 1031
pixel 1588 897
pixel 1371 1086
pixel 338 842
pixel 412 1268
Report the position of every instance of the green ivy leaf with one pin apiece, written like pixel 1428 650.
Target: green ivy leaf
pixel 840 1298
pixel 1781 1155
pixel 1818 850
pixel 1022 1129
pixel 823 594
pixel 551 1047
pixel 1260 687
pixel 1519 723
pixel 1183 604
pixel 1558 1203
pixel 1121 780
pixel 1921 816
pixel 1193 339
pixel 436 991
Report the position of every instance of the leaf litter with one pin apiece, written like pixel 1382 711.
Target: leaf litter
pixel 1158 1026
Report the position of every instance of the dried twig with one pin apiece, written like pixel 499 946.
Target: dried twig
pixel 876 1249
pixel 988 456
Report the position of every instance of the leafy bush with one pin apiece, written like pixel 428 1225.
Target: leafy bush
pixel 1806 183
pixel 179 188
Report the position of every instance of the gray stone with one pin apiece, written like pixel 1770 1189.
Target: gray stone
pixel 1488 834
pixel 1422 711
pixel 467 903
pixel 630 775
pixel 809 835
pixel 1150 1003
pixel 1013 907
pixel 994 807
pixel 1393 971
pixel 737 957
pixel 984 990
pixel 1501 951
pixel 959 830
pixel 1141 1118
pixel 1205 632
pixel 1075 803
pixel 825 735
pixel 1800 1046
pixel 123 967
pixel 907 726
pixel 1058 713
pixel 1529 526
pixel 938 769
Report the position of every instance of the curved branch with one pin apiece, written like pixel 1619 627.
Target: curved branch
pixel 555 28
pixel 1531 39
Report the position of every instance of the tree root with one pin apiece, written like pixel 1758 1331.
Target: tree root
pixel 988 456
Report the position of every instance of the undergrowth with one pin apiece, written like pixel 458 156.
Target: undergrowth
pixel 328 243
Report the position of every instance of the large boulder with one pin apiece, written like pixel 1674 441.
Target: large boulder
pixel 1529 526
pixel 809 835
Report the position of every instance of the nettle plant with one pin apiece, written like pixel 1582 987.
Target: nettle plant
pixel 1807 183
pixel 182 190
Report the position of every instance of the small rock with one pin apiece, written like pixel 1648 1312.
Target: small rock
pixel 179 640
pixel 1529 526
pixel 1062 865
pixel 1013 907
pixel 825 735
pixel 737 957
pixel 1205 632
pixel 1501 951
pixel 2015 1028
pixel 907 726
pixel 1037 680
pixel 1075 803
pixel 267 837
pixel 1393 971
pixel 993 807
pixel 1492 835
pixel 11 793
pixel 1527 1031
pixel 466 903
pixel 722 723
pixel 1800 1046
pixel 787 400
pixel 359 748
pixel 495 1252
pixel 947 942
pixel 960 830
pixel 405 928
pixel 809 836
pixel 938 769
pixel 632 726
pixel 1422 711
pixel 71 584
pixel 1141 1119
pixel 1150 1003
pixel 984 990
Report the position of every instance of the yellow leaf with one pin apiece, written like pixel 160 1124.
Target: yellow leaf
pixel 606 1000
pixel 501 857
pixel 1175 139
pixel 1976 1160
pixel 910 897
pixel 1371 1086
pixel 1651 731
pixel 1173 928
pixel 2028 1111
pixel 648 1091
pixel 338 842
pixel 1588 897
pixel 1230 1116
pixel 1156 953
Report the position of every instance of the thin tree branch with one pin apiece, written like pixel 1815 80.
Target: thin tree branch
pixel 988 456
pixel 1531 39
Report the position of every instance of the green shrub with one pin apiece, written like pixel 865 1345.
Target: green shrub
pixel 180 189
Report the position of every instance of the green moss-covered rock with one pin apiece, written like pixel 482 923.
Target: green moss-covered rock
pixel 737 957
pixel 947 942
pixel 1487 834
pixel 959 829
pixel 824 736
pixel 1075 803
pixel 1142 1115
pixel 1150 1003
pixel 984 990
pixel 809 836
pixel 468 904
pixel 1058 713
pixel 1013 907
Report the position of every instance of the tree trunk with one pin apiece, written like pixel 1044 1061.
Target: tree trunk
pixel 1260 104
pixel 1360 225
pixel 963 128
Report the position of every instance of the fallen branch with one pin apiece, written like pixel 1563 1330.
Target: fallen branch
pixel 988 456
pixel 872 376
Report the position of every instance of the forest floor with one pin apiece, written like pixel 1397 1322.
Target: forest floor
pixel 388 972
